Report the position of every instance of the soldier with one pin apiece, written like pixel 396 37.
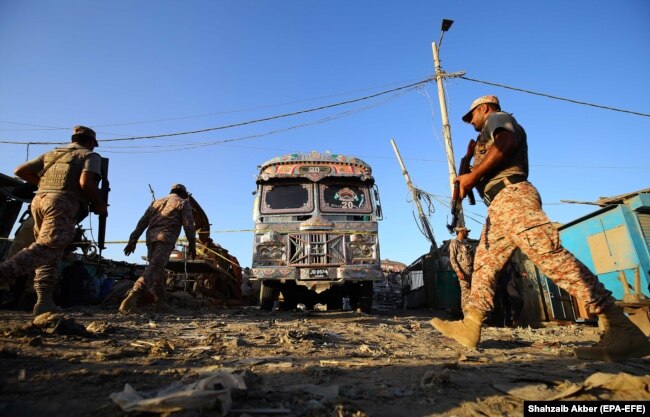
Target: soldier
pixel 163 220
pixel 67 180
pixel 461 257
pixel 516 219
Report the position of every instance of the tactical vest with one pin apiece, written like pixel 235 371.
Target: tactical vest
pixel 64 166
pixel 515 164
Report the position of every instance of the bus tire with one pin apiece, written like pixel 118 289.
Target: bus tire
pixel 267 297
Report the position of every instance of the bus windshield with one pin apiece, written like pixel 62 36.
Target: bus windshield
pixel 287 198
pixel 344 198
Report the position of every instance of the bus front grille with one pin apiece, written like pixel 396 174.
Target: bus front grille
pixel 316 249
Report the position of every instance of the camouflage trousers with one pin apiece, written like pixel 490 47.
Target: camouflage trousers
pixel 465 291
pixel 516 220
pixel 153 277
pixel 55 218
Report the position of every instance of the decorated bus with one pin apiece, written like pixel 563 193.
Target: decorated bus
pixel 316 231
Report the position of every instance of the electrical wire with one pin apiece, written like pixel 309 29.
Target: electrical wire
pixel 194 145
pixel 248 122
pixel 584 103
pixel 41 127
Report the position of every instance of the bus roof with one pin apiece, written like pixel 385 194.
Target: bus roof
pixel 315 165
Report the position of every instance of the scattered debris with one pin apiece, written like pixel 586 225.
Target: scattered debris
pixel 60 324
pixel 212 392
pixel 294 364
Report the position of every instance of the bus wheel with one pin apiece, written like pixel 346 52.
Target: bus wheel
pixel 267 296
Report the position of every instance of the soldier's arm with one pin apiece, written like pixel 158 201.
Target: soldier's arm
pixel 505 143
pixel 25 172
pixel 143 223
pixel 88 182
pixel 189 228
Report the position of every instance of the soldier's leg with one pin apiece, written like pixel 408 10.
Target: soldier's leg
pixel 145 282
pixel 492 253
pixel 54 222
pixel 621 339
pixel 141 293
pixel 159 259
pixel 540 241
pixel 53 229
pixel 45 283
pixel 465 288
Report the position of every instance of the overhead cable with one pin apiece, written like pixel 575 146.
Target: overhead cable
pixel 264 119
pixel 193 145
pixel 555 97
pixel 196 116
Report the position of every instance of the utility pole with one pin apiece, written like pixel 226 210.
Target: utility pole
pixel 416 198
pixel 446 128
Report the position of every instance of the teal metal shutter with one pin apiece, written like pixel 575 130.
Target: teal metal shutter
pixel 644 221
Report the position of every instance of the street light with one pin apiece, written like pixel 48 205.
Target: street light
pixel 446 128
pixel 446 24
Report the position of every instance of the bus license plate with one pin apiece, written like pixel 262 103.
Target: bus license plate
pixel 318 273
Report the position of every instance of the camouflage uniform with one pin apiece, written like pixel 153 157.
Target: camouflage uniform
pixel 163 220
pixel 55 208
pixel 516 219
pixel 461 258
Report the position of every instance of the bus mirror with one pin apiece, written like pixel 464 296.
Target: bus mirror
pixel 375 190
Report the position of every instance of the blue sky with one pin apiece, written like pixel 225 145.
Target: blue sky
pixel 133 68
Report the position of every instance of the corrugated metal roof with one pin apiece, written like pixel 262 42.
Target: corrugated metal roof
pixel 620 199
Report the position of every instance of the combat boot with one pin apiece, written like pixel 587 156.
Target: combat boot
pixel 621 339
pixel 44 302
pixel 467 331
pixel 130 303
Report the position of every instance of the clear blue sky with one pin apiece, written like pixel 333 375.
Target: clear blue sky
pixel 131 68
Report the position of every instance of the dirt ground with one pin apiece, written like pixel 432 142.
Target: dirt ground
pixel 301 363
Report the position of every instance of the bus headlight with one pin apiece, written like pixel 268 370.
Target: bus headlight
pixel 361 247
pixel 362 251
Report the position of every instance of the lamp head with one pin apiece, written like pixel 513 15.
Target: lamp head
pixel 446 24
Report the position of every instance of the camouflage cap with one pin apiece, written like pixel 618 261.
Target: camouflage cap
pixel 481 100
pixel 85 131
pixel 179 187
pixel 462 229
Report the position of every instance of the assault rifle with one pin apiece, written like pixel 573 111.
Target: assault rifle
pixel 103 192
pixel 456 201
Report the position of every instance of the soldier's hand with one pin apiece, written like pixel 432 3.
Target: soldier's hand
pixel 465 183
pixel 129 248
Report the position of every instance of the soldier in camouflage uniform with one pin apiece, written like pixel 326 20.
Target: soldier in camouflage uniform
pixel 461 257
pixel 67 180
pixel 163 220
pixel 516 219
